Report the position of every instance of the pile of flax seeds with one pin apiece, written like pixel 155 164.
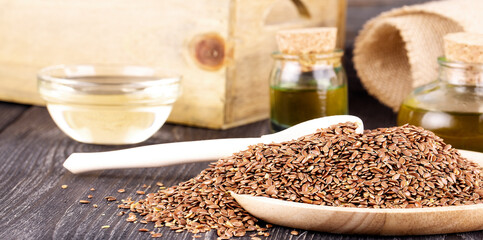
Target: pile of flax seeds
pixel 397 167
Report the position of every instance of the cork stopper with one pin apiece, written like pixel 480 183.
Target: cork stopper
pixel 307 40
pixel 464 47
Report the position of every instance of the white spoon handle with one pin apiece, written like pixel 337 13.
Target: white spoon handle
pixel 157 155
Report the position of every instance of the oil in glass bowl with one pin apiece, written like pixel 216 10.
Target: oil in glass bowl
pixel 108 105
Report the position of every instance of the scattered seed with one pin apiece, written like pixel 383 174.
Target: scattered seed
pixel 132 217
pixel 93 189
pixel 84 201
pixel 89 196
pixel 110 198
pixel 64 186
pixel 294 233
pixel 140 192
pixel 95 205
pixel 156 235
pixel 122 190
pixel 105 226
pixel 143 230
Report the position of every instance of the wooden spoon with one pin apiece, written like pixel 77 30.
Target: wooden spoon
pixel 414 221
pixel 194 151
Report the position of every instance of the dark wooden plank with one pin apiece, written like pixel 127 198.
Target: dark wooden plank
pixel 34 206
pixel 9 112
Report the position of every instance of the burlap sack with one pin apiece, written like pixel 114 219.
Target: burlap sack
pixel 398 50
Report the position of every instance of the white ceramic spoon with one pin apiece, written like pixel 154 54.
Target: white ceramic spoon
pixel 195 151
pixel 415 221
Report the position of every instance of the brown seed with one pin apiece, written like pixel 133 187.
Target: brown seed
pixel 294 233
pixel 64 186
pixel 122 190
pixel 271 190
pixel 143 230
pixel 110 198
pixel 93 189
pixel 89 196
pixel 158 235
pixel 84 201
pixel 132 217
pixel 140 192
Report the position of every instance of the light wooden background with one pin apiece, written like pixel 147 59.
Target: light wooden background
pixel 359 11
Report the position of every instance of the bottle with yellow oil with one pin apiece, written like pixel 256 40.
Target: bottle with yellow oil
pixel 452 107
pixel 307 80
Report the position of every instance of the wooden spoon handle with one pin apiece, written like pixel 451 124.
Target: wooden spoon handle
pixel 157 155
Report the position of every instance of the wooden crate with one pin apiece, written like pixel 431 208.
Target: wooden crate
pixel 221 47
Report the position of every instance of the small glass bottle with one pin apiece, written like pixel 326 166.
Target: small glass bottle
pixel 451 107
pixel 307 86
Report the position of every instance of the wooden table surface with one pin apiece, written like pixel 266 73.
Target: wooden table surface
pixel 33 205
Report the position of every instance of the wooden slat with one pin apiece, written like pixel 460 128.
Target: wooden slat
pixel 9 113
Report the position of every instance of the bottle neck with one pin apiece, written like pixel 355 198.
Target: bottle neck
pixel 309 62
pixel 460 73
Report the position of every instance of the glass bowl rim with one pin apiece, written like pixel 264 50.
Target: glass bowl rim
pixel 47 75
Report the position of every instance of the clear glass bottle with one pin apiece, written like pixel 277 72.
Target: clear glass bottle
pixel 304 87
pixel 451 107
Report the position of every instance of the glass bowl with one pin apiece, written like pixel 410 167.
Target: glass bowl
pixel 109 105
